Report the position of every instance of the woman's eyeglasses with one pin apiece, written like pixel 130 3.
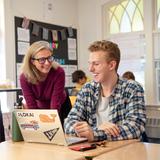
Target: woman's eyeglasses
pixel 42 60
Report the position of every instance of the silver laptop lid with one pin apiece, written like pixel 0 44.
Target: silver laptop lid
pixel 41 126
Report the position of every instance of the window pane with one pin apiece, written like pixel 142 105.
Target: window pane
pixel 158 4
pixel 125 23
pixel 119 12
pixel 158 12
pixel 114 26
pixel 136 1
pixel 140 7
pixel 158 22
pixel 124 3
pixel 137 22
pixel 112 9
pixel 130 9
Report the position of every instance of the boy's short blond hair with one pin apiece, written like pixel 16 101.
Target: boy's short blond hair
pixel 112 50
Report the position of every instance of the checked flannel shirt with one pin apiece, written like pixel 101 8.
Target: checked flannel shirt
pixel 127 110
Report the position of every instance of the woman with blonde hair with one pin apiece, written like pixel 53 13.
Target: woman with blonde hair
pixel 42 79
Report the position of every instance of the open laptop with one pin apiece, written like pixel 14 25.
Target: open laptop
pixel 43 126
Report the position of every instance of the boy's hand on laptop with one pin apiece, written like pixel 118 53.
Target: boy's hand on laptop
pixel 84 130
pixel 110 129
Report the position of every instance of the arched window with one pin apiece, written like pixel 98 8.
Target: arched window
pixel 127 16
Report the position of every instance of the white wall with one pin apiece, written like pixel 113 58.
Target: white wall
pixel 2 37
pixel 63 12
pixel 90 28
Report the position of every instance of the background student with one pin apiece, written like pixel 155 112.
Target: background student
pixel 128 75
pixel 43 80
pixel 79 78
pixel 109 107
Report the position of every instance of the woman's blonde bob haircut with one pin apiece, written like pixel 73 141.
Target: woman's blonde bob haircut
pixel 28 69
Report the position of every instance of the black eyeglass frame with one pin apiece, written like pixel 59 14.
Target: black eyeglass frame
pixel 42 60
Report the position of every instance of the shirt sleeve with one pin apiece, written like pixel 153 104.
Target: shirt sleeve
pixel 76 114
pixel 58 94
pixel 134 121
pixel 27 93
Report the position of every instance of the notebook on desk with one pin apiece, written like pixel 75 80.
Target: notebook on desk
pixel 43 126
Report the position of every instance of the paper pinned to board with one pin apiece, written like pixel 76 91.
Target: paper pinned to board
pixel 23 34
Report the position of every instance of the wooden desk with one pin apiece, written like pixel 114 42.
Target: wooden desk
pixel 110 146
pixel 31 151
pixel 34 151
pixel 139 150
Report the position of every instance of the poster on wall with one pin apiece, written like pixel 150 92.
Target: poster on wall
pixel 22 47
pixel 69 69
pixel 23 34
pixel 72 48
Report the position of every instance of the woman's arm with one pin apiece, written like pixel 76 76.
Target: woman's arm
pixel 28 93
pixel 58 94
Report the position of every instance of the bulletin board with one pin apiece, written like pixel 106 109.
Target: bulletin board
pixel 63 40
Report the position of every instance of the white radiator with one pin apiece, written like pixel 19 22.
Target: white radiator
pixel 153 121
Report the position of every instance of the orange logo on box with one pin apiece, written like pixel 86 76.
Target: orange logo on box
pixel 47 118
